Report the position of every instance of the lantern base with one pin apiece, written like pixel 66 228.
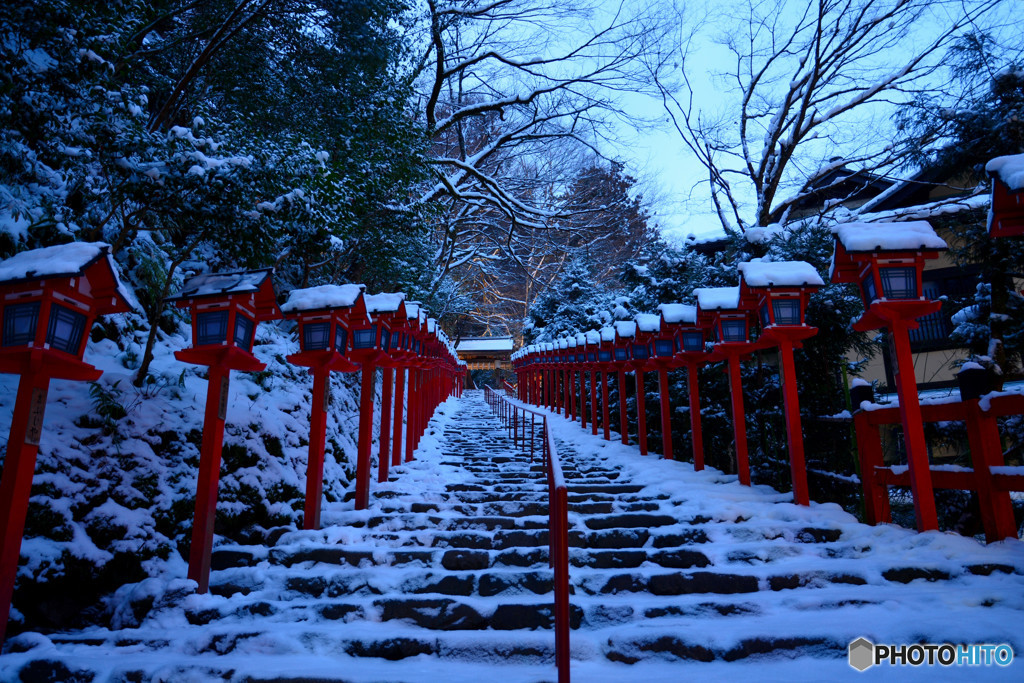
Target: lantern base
pixel 332 361
pixel 49 363
pixel 227 357
pixel 882 313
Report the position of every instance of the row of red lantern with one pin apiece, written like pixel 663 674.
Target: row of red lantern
pixel 51 297
pixel 885 259
pixel 340 329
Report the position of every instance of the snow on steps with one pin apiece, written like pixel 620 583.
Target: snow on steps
pixel 446 578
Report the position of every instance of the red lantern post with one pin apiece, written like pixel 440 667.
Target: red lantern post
pixel 370 342
pixel 324 315
pixel 779 292
pixel 690 352
pixel 720 309
pixel 391 311
pixel 593 343
pixel 49 299
pixel 605 363
pixel 648 326
pixel 1006 214
pixel 625 344
pixel 886 260
pixel 225 308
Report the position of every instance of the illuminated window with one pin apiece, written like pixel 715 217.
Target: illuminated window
pixel 787 311
pixel 899 283
pixel 20 322
pixel 365 338
pixel 340 339
pixel 65 329
pixel 621 354
pixel 734 330
pixel 604 356
pixel 211 328
pixel 316 336
pixel 693 342
pixel 664 347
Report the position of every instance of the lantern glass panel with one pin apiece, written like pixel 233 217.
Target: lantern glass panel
pixel 664 347
pixel 621 354
pixel 734 330
pixel 340 338
pixel 365 338
pixel 396 340
pixel 765 320
pixel 244 328
pixel 211 328
pixel 693 342
pixel 604 356
pixel 316 336
pixel 787 311
pixel 20 322
pixel 592 357
pixel 641 352
pixel 868 287
pixel 385 339
pixel 65 329
pixel 899 283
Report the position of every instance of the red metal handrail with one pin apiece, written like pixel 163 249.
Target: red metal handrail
pixel 513 413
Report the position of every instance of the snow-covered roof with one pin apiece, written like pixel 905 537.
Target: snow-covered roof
pixel 581 339
pixel 593 337
pixel 412 310
pixel 66 260
pixel 216 284
pixel 904 236
pixel 625 328
pixel 1009 169
pixel 385 302
pixel 561 344
pixel 62 260
pixel 322 296
pixel 496 344
pixel 607 334
pixel 779 274
pixel 717 298
pixel 431 325
pixel 678 313
pixel 648 322
pixel 570 342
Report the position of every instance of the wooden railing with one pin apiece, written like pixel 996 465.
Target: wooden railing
pixel 514 414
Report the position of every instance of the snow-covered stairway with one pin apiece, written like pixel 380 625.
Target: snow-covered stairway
pixel 675 574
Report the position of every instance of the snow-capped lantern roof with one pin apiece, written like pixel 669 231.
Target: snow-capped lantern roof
pixel 593 337
pixel 253 288
pixel 570 342
pixel 779 291
pixel 70 285
pixel 1006 213
pixel 1009 170
pixel 432 326
pixel 607 334
pixel 678 314
pixel 625 329
pixel 322 297
pixel 581 339
pixel 779 274
pixel 875 237
pixel 412 310
pixel 885 259
pixel 90 264
pixel 717 298
pixel 647 323
pixel 385 302
pixel 561 344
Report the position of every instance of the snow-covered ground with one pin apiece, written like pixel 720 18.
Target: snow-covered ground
pixel 804 581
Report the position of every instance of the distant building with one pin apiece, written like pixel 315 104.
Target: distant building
pixel 486 353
